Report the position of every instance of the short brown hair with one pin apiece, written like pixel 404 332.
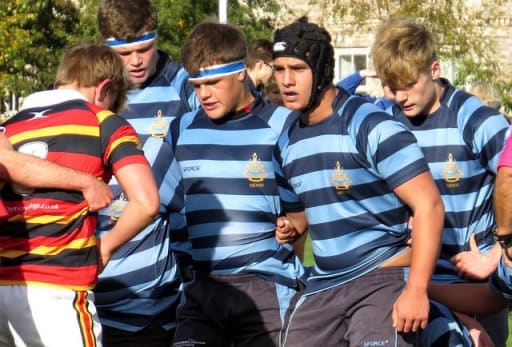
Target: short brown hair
pixel 89 64
pixel 259 49
pixel 401 51
pixel 213 43
pixel 126 19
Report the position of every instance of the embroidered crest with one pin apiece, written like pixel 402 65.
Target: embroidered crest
pixel 451 172
pixel 340 179
pixel 255 171
pixel 117 207
pixel 159 126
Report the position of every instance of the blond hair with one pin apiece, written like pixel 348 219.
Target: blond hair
pixel 401 51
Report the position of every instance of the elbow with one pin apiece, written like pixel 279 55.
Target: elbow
pixel 148 206
pixel 439 208
pixel 152 206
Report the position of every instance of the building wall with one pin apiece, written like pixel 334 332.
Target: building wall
pixel 500 31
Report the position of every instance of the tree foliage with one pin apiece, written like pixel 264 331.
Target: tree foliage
pixel 459 30
pixel 35 32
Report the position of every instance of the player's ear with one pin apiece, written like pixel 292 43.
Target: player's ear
pixel 241 75
pixel 435 70
pixel 102 90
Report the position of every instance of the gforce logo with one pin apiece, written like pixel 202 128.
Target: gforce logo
pixel 376 343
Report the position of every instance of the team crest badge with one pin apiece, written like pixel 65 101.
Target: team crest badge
pixel 255 171
pixel 117 208
pixel 159 126
pixel 451 172
pixel 340 179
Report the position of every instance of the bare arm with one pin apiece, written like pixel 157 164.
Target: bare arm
pixel 476 331
pixel 34 172
pixel 139 185
pixel 469 298
pixel 502 201
pixel 410 311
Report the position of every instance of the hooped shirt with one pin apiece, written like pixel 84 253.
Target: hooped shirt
pixel 48 238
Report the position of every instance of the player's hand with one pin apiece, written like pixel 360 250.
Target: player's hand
pixel 97 194
pixel 410 310
pixel 286 231
pixel 473 264
pixel 367 73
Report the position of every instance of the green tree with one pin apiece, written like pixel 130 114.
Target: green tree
pixel 34 34
pixel 176 18
pixel 459 30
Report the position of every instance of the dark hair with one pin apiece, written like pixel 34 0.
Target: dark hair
pixel 213 43
pixel 259 49
pixel 126 19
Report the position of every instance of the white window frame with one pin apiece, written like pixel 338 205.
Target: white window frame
pixel 343 70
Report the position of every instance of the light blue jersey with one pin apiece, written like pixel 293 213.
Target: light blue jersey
pixel 141 284
pixel 501 280
pixel 344 170
pixel 462 142
pixel 231 196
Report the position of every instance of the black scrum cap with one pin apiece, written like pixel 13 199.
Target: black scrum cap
pixel 312 44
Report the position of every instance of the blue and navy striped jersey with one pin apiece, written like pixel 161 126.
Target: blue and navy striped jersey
pixel 344 170
pixel 166 95
pixel 140 284
pixel 461 142
pixel 231 195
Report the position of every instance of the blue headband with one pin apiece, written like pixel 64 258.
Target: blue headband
pixel 146 37
pixel 221 70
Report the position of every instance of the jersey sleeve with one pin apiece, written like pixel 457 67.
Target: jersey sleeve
pixel 390 148
pixel 485 131
pixel 121 144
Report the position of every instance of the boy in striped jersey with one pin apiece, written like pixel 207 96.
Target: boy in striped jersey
pixel 358 174
pixel 461 139
pixel 49 255
pixel 496 294
pixel 244 280
pixel 138 292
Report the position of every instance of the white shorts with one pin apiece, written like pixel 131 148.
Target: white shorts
pixel 37 316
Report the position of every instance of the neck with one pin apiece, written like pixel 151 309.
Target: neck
pixel 323 109
pixel 436 101
pixel 246 98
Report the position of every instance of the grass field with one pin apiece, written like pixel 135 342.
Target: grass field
pixel 308 261
pixel 509 340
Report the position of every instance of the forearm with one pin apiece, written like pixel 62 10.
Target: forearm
pixel 134 218
pixel 139 186
pixel 426 244
pixel 502 201
pixel 34 172
pixel 469 298
pixel 299 221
